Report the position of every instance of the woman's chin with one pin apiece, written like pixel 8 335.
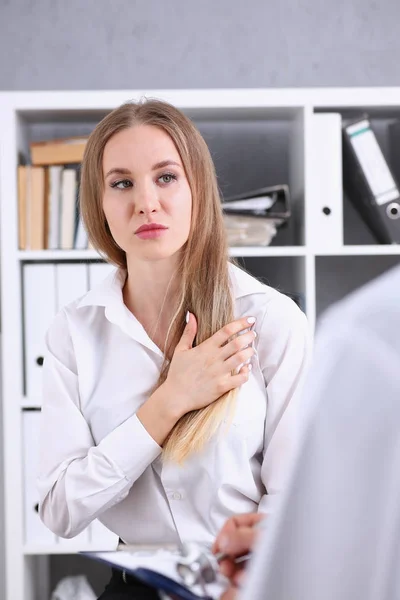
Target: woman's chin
pixel 154 254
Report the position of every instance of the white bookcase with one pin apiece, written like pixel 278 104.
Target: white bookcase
pixel 257 137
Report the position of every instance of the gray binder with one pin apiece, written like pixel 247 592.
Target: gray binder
pixel 369 181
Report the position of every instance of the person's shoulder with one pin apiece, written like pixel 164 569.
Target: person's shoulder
pixel 82 311
pixel 69 314
pixel 264 300
pixel 106 291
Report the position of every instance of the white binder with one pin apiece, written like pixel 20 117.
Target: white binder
pixel 39 285
pixel 325 205
pixel 72 282
pixel 98 272
pixel 35 531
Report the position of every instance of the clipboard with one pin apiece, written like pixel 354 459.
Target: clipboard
pixel 157 566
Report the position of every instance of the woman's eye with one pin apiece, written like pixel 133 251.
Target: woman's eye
pixel 167 178
pixel 123 184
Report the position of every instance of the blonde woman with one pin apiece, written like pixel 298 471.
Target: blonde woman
pixel 158 418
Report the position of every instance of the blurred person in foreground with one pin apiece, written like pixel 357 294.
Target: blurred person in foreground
pixel 337 533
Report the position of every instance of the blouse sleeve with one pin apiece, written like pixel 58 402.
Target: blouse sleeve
pixel 284 349
pixel 78 480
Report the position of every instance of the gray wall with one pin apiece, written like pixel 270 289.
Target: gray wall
pixel 128 44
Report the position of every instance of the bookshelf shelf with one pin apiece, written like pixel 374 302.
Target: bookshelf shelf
pixel 276 127
pixel 376 250
pixel 88 255
pixel 57 255
pixel 268 251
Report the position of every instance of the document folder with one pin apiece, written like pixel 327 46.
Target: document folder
pixel 369 181
pixel 271 202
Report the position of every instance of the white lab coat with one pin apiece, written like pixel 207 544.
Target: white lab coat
pixel 337 533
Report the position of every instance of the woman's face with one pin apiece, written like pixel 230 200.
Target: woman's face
pixel 147 200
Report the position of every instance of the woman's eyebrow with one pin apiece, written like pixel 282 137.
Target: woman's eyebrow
pixel 118 171
pixel 165 163
pixel 159 165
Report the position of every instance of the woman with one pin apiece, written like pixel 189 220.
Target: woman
pixel 154 420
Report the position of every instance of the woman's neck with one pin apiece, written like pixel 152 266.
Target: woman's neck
pixel 151 293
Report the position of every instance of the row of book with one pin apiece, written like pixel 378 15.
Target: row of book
pixel 48 197
pixel 48 209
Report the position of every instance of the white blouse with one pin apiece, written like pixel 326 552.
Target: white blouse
pixel 98 461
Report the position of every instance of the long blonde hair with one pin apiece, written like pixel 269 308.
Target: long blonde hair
pixel 204 286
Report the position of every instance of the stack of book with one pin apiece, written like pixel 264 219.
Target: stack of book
pixel 48 197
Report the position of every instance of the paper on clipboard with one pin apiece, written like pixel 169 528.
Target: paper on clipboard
pixel 161 560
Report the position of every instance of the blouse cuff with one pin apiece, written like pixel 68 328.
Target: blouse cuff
pixel 130 447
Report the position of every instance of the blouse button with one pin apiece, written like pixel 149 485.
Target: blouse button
pixel 176 496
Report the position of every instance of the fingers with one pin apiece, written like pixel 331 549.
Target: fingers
pixel 247 519
pixel 237 538
pixel 189 333
pixel 232 525
pixel 237 344
pixel 222 336
pixel 239 359
pixel 230 570
pixel 228 527
pixel 231 382
pixel 239 542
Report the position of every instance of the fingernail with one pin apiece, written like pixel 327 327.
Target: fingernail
pixel 250 367
pixel 251 320
pixel 187 317
pixel 255 334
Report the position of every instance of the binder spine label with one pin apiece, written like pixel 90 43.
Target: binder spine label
pixel 373 162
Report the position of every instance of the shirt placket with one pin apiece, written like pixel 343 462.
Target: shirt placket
pixel 176 496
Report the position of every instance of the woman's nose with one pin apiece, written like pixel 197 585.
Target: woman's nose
pixel 146 200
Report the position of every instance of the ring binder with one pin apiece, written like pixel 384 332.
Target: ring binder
pixel 272 202
pixel 369 181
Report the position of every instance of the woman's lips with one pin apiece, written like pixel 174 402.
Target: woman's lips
pixel 150 231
